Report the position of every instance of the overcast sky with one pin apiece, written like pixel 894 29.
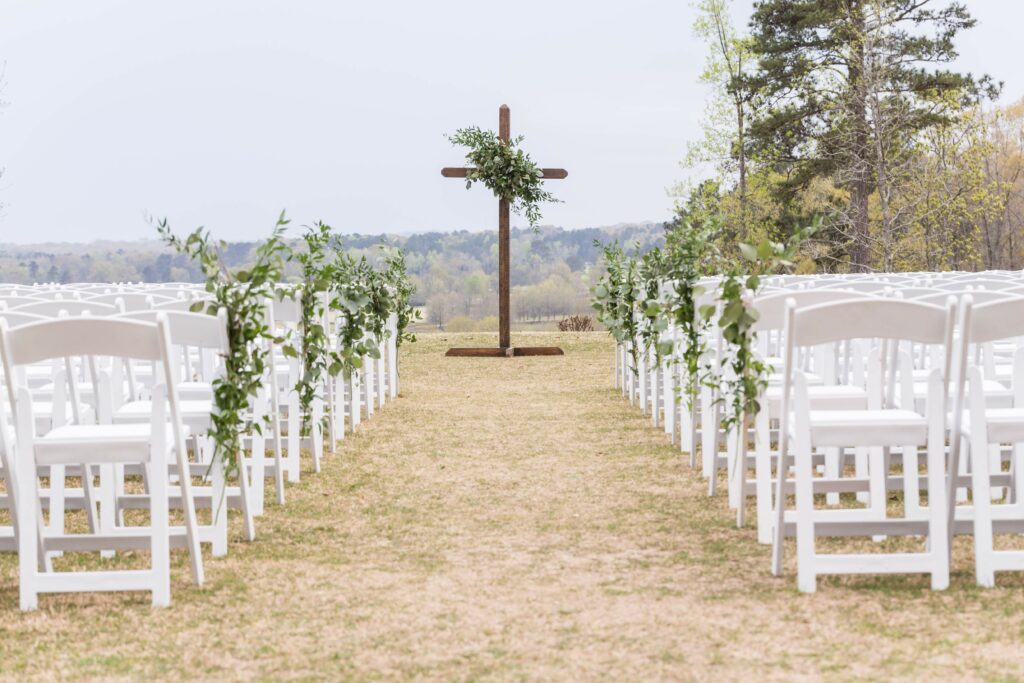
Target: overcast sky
pixel 223 113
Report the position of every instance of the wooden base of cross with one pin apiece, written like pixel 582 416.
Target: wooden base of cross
pixel 510 352
pixel 505 348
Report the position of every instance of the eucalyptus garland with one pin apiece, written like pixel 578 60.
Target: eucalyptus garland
pixel 504 169
pixel 398 277
pixel 616 297
pixel 690 254
pixel 748 376
pixel 651 273
pixel 354 303
pixel 314 342
pixel 242 294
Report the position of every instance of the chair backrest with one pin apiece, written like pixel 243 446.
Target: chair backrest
pixel 184 305
pixel 178 292
pixel 871 319
pixel 132 301
pixel 917 292
pixel 857 286
pixel 14 301
pixel 771 308
pixel 287 310
pixel 52 309
pixel 982 296
pixel 979 283
pixel 197 330
pixel 995 320
pixel 17 318
pixel 58 294
pixel 67 337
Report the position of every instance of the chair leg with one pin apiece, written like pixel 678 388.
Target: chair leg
pixel 108 504
pixel 832 470
pixel 316 433
pixel 805 541
pixel 980 486
pixel 245 492
pixel 159 526
pixel 219 509
pixel 293 437
pixel 763 476
pixel 938 537
pixel 57 502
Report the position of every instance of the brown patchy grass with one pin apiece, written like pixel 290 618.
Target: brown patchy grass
pixel 512 519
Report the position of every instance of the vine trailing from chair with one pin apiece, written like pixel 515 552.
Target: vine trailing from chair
pixel 398 276
pixel 242 293
pixel 690 255
pixel 616 295
pixel 748 375
pixel 504 169
pixel 651 273
pixel 354 302
pixel 314 342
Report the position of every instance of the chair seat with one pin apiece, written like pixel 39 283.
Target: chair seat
pixel 867 428
pixel 1004 425
pixel 821 397
pixel 195 414
pixel 195 391
pixel 117 443
pixel 776 379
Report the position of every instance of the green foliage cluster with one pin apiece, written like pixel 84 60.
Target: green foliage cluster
pixel 357 308
pixel 748 372
pixel 243 294
pixel 398 277
pixel 361 297
pixel 504 169
pixel 314 341
pixel 690 253
pixel 616 298
pixel 663 287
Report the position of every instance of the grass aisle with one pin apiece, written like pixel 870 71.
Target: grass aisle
pixel 511 519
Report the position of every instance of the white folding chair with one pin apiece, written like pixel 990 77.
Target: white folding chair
pixel 85 446
pixel 878 428
pixel 997 503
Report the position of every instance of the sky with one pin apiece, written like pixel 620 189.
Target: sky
pixel 224 113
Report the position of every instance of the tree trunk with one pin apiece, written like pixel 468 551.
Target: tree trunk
pixel 860 190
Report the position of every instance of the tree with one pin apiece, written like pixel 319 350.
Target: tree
pixel 1004 167
pixel 830 71
pixel 725 125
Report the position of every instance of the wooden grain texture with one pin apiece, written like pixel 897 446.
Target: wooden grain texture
pixel 507 352
pixel 478 352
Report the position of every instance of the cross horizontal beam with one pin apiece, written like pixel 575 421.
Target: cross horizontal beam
pixel 549 173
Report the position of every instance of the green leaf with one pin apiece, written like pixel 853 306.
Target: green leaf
pixel 748 252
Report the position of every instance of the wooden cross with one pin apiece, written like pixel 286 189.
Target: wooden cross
pixel 505 347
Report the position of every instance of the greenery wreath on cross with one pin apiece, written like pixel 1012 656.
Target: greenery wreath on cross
pixel 504 169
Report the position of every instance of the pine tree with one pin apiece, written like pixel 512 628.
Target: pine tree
pixel 829 69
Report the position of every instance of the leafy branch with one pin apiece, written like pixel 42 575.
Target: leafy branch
pixel 504 169
pixel 242 294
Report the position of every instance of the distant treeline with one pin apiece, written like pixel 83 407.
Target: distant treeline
pixel 455 272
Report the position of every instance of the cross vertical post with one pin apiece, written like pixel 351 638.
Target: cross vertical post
pixel 504 239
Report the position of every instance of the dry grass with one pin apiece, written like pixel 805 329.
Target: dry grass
pixel 512 519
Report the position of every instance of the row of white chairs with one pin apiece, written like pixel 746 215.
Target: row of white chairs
pixel 895 408
pixel 106 406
